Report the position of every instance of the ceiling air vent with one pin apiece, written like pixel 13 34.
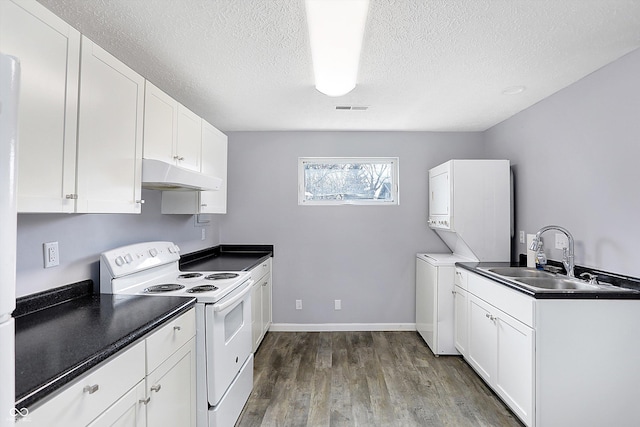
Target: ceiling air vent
pixel 351 107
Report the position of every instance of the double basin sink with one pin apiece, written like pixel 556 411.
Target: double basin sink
pixel 546 281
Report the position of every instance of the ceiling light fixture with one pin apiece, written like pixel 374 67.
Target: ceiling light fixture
pixel 336 30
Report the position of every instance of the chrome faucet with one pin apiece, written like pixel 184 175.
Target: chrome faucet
pixel 567 253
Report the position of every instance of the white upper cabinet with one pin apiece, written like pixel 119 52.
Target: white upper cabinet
pixel 214 163
pixel 172 132
pixel 160 125
pixel 49 53
pixel 109 170
pixel 189 146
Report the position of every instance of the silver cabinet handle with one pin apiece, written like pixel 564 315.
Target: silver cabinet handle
pixel 178 157
pixel 204 205
pixel 71 196
pixel 144 401
pixel 453 292
pixel 156 387
pixel 90 388
pixel 491 317
pixel 265 284
pixel 177 328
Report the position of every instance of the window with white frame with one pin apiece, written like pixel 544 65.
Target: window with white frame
pixel 348 181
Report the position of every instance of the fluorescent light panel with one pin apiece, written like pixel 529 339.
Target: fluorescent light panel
pixel 336 29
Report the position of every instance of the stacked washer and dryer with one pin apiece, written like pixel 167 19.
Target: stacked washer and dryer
pixel 470 210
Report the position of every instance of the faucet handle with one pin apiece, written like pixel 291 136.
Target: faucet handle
pixel 592 278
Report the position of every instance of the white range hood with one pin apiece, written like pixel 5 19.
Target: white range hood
pixel 159 175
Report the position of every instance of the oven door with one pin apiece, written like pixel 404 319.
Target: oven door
pixel 228 339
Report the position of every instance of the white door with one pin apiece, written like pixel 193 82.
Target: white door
pixel 214 163
pixel 461 320
pixel 49 52
pixel 109 134
pixel 514 373
pixel 228 339
pixel 439 193
pixel 171 390
pixel 160 125
pixel 189 146
pixel 482 338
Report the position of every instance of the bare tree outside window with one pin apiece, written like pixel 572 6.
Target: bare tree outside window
pixel 348 181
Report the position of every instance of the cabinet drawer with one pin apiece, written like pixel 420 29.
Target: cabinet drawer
pixel 260 270
pixel 512 302
pixel 169 338
pixel 78 405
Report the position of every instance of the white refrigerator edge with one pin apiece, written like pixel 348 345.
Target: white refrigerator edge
pixel 9 85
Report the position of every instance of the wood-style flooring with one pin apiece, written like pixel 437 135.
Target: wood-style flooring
pixel 365 379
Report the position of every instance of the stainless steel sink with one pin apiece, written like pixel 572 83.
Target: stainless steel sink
pixel 519 272
pixel 558 283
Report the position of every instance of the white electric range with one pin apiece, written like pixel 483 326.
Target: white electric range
pixel 224 361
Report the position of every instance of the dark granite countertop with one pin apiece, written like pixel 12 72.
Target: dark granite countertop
pixel 631 285
pixel 64 332
pixel 226 258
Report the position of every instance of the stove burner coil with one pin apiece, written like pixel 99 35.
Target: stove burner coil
pixel 189 275
pixel 222 276
pixel 202 288
pixel 162 288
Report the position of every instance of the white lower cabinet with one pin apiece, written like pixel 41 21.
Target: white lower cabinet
pixel 261 308
pixel 554 362
pixel 500 341
pixel 134 388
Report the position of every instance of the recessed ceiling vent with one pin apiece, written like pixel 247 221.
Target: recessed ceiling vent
pixel 351 107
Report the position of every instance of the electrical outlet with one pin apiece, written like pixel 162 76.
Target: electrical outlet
pixel 51 254
pixel 521 236
pixel 204 234
pixel 561 241
pixel 338 304
pixel 298 304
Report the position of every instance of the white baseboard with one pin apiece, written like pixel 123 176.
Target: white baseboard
pixel 336 327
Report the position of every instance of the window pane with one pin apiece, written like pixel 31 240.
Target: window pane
pixel 348 181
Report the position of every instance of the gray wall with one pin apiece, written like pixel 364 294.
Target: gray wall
pixel 82 237
pixel 362 255
pixel 576 160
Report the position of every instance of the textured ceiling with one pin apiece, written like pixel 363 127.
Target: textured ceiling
pixel 438 65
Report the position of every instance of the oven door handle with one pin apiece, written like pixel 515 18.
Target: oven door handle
pixel 232 301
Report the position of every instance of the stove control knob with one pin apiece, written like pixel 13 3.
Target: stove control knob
pixel 172 249
pixel 153 252
pixel 119 261
pixel 128 258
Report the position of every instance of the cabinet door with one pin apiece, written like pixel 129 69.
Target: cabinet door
pixel 109 134
pixel 266 305
pixel 160 125
pixel 461 320
pixel 129 411
pixel 189 145
pixel 214 163
pixel 49 53
pixel 439 193
pixel 514 373
pixel 256 315
pixel 171 389
pixel 483 338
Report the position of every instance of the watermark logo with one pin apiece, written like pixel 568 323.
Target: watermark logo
pixel 19 413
